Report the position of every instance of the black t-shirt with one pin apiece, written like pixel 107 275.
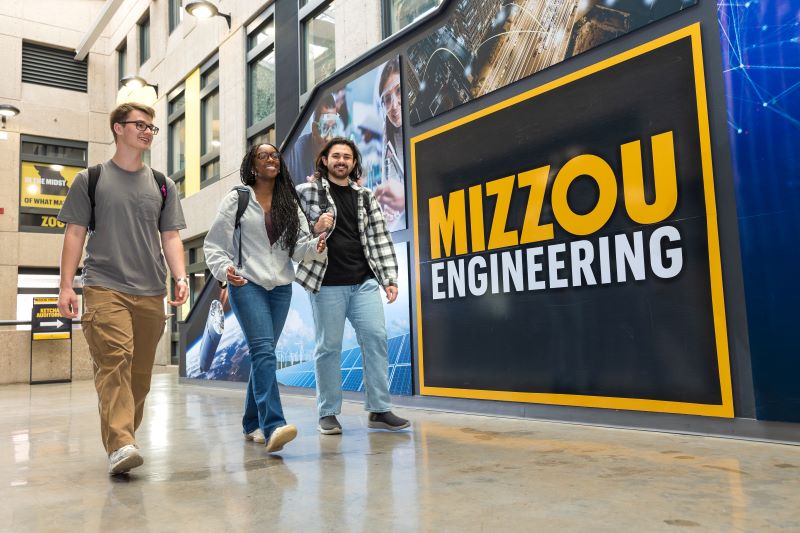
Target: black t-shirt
pixel 346 262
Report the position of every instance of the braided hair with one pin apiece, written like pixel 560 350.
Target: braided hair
pixel 284 198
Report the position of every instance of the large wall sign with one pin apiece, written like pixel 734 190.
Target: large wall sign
pixel 762 78
pixel 369 110
pixel 42 190
pixel 567 245
pixel 489 44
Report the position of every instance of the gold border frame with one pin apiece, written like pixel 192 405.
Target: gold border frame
pixel 725 409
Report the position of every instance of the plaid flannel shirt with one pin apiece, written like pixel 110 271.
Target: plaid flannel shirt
pixel 376 241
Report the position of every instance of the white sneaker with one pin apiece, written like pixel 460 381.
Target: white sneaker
pixel 256 436
pixel 124 459
pixel 281 436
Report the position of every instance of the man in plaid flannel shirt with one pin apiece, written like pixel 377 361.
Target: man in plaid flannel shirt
pixel 347 283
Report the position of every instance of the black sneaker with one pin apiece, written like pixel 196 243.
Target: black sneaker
pixel 328 425
pixel 387 420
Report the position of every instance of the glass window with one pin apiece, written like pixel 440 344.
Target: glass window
pixel 262 87
pixel 401 13
pixel 144 39
pixel 175 14
pixel 122 60
pixel 177 145
pixel 266 136
pixel 209 76
pixel 210 171
pixel 319 46
pixel 69 154
pixel 264 33
pixel 211 122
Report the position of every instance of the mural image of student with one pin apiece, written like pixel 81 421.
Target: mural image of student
pixel 347 283
pixel 326 124
pixel 391 193
pixel 254 257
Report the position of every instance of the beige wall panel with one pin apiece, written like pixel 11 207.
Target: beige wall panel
pixel 50 360
pixel 9 249
pixel 11 80
pixel 358 28
pixel 9 177
pixel 8 293
pixel 40 249
pixel 15 356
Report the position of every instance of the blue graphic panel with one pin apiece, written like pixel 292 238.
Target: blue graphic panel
pixel 761 57
pixel 302 374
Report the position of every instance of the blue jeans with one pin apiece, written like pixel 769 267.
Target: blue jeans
pixel 361 304
pixel 261 314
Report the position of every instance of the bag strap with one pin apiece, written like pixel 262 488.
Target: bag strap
pixel 322 196
pixel 243 200
pixel 161 181
pixel 94 175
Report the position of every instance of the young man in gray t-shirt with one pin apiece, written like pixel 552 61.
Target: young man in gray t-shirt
pixel 124 276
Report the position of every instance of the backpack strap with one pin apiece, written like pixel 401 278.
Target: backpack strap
pixel 94 175
pixel 161 181
pixel 243 200
pixel 322 195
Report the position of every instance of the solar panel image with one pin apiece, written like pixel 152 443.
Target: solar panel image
pixel 302 374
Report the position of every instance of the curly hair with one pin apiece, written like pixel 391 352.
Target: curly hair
pixel 284 198
pixel 322 170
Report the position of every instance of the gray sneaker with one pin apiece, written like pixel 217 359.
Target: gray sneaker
pixel 387 420
pixel 124 459
pixel 328 425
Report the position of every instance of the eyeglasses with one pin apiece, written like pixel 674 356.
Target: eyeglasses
pixel 141 125
pixel 263 156
pixel 390 95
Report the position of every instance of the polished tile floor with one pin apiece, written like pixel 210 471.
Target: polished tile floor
pixel 451 472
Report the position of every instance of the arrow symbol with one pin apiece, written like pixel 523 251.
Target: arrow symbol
pixel 57 324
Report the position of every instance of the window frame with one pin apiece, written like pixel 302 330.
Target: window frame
pixel 175 8
pixel 253 55
pixel 175 115
pixel 305 14
pixel 143 34
pixel 386 18
pixel 122 60
pixel 212 155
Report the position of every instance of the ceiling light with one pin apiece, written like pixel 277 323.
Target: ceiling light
pixel 204 9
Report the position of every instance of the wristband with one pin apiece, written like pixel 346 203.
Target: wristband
pixel 184 280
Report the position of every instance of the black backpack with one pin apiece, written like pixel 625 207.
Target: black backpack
pixel 244 199
pixel 94 176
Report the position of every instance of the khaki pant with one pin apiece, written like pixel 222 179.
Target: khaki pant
pixel 122 331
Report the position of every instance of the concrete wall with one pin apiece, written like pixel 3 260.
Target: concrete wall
pixel 50 358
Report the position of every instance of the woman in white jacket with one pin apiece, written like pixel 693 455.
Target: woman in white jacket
pixel 255 260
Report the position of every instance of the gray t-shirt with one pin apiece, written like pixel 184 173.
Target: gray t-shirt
pixel 124 251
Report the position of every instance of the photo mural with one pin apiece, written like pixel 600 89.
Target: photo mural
pixel 489 44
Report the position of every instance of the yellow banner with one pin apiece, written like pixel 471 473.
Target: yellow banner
pixel 44 185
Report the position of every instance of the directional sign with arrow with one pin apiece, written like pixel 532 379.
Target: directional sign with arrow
pixel 47 323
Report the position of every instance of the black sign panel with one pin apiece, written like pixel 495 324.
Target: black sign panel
pixel 47 322
pixel 567 242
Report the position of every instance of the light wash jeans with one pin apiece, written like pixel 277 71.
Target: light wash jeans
pixel 261 314
pixel 361 304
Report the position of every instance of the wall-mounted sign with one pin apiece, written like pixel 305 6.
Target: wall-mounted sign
pixel 47 322
pixel 567 244
pixel 42 190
